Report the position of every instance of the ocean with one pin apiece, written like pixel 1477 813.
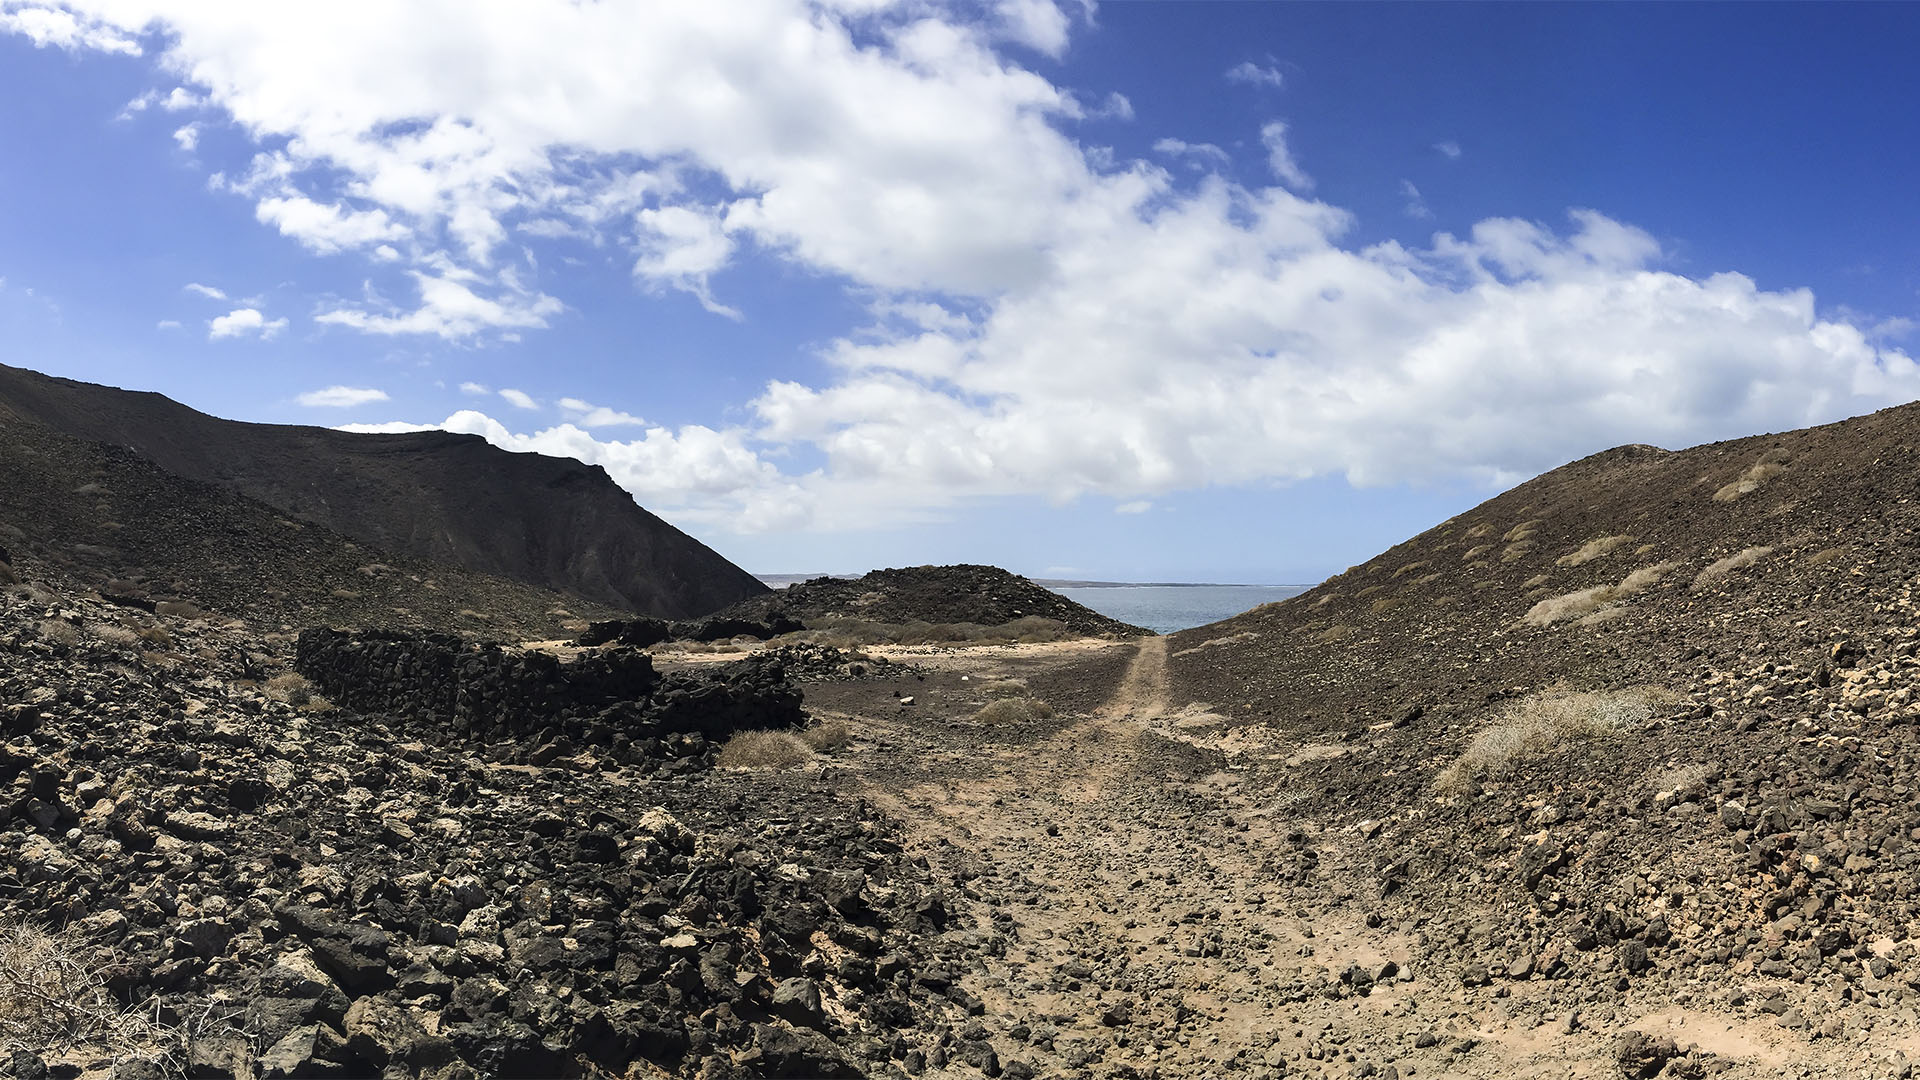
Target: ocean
pixel 1166 608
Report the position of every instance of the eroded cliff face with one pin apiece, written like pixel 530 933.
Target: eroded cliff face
pixel 448 498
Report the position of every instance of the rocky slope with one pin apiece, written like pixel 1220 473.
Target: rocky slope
pixel 1638 732
pixel 270 886
pixel 94 517
pixel 980 595
pixel 433 496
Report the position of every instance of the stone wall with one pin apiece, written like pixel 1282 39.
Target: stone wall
pixel 486 691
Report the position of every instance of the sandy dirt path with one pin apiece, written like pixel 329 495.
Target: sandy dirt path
pixel 1143 912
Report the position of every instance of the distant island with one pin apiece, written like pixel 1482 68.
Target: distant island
pixel 781 581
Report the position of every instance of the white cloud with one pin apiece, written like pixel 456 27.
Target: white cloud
pixel 1416 206
pixel 1037 24
pixel 1448 149
pixel 1254 74
pixel 46 25
pixel 591 416
pixel 341 397
pixel 1047 318
pixel 474 388
pixel 1114 107
pixel 207 291
pixel 244 321
pixel 682 247
pixel 187 136
pixel 167 324
pixel 449 308
pixel 519 399
pixel 1136 506
pixel 326 230
pixel 1273 135
pixel 1200 152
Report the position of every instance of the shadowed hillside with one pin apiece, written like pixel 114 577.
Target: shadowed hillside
pixel 434 495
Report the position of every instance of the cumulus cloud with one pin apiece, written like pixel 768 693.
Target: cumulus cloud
pixel 1046 318
pixel 519 399
pixel 47 25
pixel 475 389
pixel 1273 136
pixel 326 229
pixel 1037 24
pixel 341 397
pixel 1252 74
pixel 1204 154
pixel 589 415
pixel 1415 205
pixel 244 322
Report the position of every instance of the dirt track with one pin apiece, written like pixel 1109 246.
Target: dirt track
pixel 1146 908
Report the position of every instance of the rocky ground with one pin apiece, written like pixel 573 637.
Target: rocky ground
pixel 969 595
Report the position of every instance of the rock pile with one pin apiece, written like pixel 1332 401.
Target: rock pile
pixel 323 891
pixel 486 691
pixel 639 633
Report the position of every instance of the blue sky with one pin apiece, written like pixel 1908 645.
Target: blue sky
pixel 1141 291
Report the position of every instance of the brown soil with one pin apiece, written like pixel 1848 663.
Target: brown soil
pixel 1148 900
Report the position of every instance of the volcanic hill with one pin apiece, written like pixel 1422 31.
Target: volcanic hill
pixel 963 593
pixel 435 496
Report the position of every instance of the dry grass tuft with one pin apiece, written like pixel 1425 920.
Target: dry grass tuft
pixel 1536 581
pixel 1479 531
pixel 1331 634
pixel 1753 479
pixel 52 999
pixel 1820 558
pixel 1013 711
pixel 1576 605
pixel 59 631
pixel 1593 549
pixel 826 736
pixel 1543 725
pixel 764 750
pixel 1475 552
pixel 1739 560
pixel 1409 568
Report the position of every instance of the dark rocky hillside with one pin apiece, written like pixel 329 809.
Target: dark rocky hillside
pixel 981 595
pixel 100 517
pixel 435 496
pixel 1639 730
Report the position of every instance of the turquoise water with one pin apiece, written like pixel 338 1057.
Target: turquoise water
pixel 1166 608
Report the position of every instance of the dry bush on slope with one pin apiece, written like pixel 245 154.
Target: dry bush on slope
pixel 1739 560
pixel 52 1000
pixel 1585 602
pixel 1543 725
pixel 1013 711
pixel 1770 465
pixel 1592 549
pixel 826 736
pixel 764 750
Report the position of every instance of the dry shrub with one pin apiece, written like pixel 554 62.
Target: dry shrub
pixel 113 634
pixel 346 594
pixel 1516 550
pixel 1369 591
pixel 1479 530
pixel 1584 602
pixel 1386 604
pixel 1592 549
pixel 156 635
pixel 1475 552
pixel 1331 634
pixel 1752 480
pixel 826 736
pixel 1482 586
pixel 1521 531
pixel 1013 711
pixel 1409 568
pixel 1544 725
pixel 53 999
pixel 1739 560
pixel 6 574
pixel 59 632
pixel 1820 558
pixel 179 609
pixel 1536 581
pixel 764 750
pixel 290 687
